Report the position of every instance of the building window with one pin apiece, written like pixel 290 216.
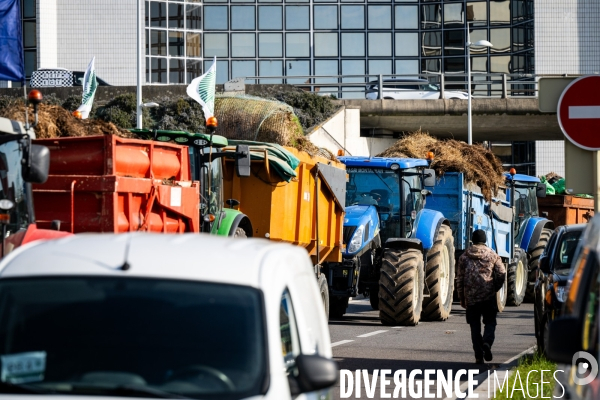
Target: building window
pixel 176 71
pixel 176 15
pixel 270 45
pixel 270 18
pixel 158 43
pixel 176 45
pixel 215 18
pixel 297 18
pixel 243 45
pixel 407 44
pixel 380 44
pixel 353 44
pixel 326 44
pixel 407 17
pixel 193 17
pixel 242 69
pixel 297 45
pixel 326 17
pixel 215 44
pixel 380 17
pixel 353 17
pixel 158 14
pixel 193 46
pixel 243 18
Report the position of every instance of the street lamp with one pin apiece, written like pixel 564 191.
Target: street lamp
pixel 479 43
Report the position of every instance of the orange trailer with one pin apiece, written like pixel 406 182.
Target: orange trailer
pixel 567 209
pixel 306 211
pixel 111 184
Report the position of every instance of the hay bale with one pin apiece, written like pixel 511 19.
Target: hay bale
pixel 252 118
pixel 479 165
pixel 55 121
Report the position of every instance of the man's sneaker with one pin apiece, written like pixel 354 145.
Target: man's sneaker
pixel 479 361
pixel 487 352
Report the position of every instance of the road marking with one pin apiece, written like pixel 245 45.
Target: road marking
pixel 584 112
pixel 371 334
pixel 341 342
pixel 397 327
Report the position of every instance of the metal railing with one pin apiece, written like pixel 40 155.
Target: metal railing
pixel 429 86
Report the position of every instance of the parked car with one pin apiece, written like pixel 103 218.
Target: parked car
pixel 554 269
pixel 153 315
pixel 573 338
pixel 59 77
pixel 410 89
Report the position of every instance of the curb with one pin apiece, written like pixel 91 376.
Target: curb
pixel 482 389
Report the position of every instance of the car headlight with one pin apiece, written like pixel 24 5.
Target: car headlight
pixel 561 293
pixel 357 239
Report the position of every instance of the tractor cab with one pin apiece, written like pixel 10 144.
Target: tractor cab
pixel 206 151
pixel 390 189
pixel 523 192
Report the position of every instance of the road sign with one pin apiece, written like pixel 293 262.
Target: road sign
pixel 579 112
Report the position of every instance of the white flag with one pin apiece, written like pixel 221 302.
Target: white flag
pixel 89 90
pixel 202 89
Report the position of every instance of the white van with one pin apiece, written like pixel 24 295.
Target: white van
pixel 410 89
pixel 171 316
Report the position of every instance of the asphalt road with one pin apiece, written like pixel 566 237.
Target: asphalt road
pixel 360 341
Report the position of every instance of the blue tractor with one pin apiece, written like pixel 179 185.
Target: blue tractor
pixel 396 252
pixel 531 232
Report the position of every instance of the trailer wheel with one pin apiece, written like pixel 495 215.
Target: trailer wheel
pixel 401 287
pixel 517 278
pixel 323 288
pixel 337 306
pixel 439 277
pixel 534 262
pixel 501 295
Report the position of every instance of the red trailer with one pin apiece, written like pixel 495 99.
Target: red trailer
pixel 110 184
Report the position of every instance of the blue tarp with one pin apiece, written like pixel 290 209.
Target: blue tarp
pixel 12 66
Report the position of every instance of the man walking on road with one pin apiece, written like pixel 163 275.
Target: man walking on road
pixel 478 268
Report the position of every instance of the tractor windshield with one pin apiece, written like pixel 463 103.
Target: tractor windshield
pixel 13 187
pixel 526 200
pixel 381 188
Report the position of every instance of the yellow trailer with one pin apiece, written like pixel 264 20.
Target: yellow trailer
pixel 306 211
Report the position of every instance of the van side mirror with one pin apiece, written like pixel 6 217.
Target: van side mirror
pixel 564 339
pixel 429 177
pixel 242 160
pixel 541 190
pixel 37 166
pixel 544 264
pixel 314 373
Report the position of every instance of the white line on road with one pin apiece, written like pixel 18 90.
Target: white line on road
pixel 371 334
pixel 584 112
pixel 341 342
pixel 397 327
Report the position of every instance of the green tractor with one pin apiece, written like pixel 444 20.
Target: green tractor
pixel 205 152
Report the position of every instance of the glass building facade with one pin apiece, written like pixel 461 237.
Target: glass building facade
pixel 334 37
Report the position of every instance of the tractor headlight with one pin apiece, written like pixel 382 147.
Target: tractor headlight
pixel 561 293
pixel 357 240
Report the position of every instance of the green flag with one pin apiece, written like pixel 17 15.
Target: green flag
pixel 89 90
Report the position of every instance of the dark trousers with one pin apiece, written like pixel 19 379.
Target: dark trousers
pixel 488 310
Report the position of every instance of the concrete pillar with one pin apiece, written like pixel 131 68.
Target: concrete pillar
pixel 47 34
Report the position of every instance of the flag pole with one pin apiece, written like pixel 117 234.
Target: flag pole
pixel 139 66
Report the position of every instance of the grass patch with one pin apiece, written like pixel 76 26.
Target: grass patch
pixel 525 381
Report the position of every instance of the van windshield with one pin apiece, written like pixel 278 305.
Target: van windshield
pixel 113 336
pixel 565 252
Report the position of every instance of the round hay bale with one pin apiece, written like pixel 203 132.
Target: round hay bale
pixel 251 118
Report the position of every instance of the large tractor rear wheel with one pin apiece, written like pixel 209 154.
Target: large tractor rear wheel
pixel 517 278
pixel 534 262
pixel 401 287
pixel 439 277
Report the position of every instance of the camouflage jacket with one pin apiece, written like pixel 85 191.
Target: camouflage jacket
pixel 474 276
